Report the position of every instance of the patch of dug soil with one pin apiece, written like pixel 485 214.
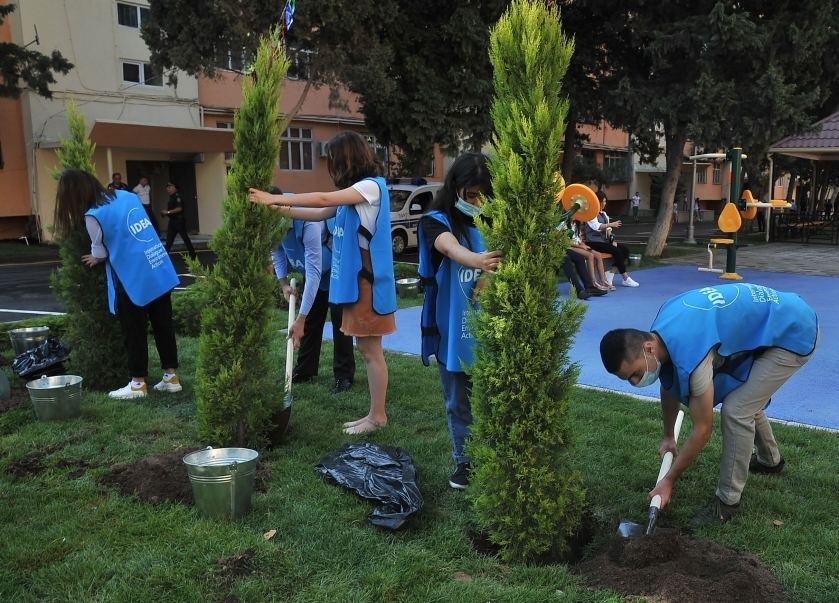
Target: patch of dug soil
pixel 155 479
pixel 669 567
pixel 163 478
pixel 19 398
pixel 32 464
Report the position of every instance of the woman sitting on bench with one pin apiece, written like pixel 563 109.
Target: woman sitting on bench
pixel 600 238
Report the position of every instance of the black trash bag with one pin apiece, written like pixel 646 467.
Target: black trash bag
pixel 381 474
pixel 39 360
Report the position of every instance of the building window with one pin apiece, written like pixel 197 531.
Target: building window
pixel 296 149
pixel 380 151
pixel 701 175
pixel 232 60
pixel 717 174
pixel 226 125
pixel 131 15
pixel 141 73
pixel 300 64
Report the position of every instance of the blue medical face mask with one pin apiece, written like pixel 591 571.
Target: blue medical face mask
pixel 649 377
pixel 467 209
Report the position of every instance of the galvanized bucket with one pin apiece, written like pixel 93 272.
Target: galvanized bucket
pixel 55 398
pixel 24 340
pixel 222 480
pixel 407 287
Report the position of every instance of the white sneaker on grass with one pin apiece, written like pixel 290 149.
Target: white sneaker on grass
pixel 171 385
pixel 628 282
pixel 129 391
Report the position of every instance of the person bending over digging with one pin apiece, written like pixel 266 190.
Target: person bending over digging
pixel 733 345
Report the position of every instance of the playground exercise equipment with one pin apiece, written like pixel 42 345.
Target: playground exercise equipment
pixel 580 201
pixel 729 222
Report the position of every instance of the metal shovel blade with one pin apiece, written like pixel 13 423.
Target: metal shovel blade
pixel 630 529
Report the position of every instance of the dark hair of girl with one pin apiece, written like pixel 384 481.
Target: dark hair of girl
pixel 77 192
pixel 468 170
pixel 350 159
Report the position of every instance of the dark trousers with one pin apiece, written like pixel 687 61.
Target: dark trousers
pixel 620 254
pixel 177 226
pixel 152 219
pixel 574 268
pixel 308 360
pixel 135 327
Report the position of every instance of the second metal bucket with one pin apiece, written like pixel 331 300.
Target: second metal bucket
pixel 25 339
pixel 222 480
pixel 56 398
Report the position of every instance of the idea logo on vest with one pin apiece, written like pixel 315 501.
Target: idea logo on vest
pixel 139 225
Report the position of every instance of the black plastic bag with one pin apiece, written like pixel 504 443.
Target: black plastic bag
pixel 41 359
pixel 380 474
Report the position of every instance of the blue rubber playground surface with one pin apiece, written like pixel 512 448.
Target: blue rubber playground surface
pixel 809 397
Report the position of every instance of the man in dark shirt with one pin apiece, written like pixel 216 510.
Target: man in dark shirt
pixel 177 220
pixel 117 183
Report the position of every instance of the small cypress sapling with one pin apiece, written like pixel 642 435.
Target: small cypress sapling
pixel 98 351
pixel 525 492
pixel 235 385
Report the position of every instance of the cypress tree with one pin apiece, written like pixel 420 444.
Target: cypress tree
pixel 98 350
pixel 526 496
pixel 235 386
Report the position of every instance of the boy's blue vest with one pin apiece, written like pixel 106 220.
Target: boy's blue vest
pixel 346 256
pixel 295 251
pixel 447 302
pixel 739 321
pixel 135 255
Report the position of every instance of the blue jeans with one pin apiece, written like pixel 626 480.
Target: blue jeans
pixel 456 390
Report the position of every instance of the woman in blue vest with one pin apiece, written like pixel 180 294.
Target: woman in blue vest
pixel 734 345
pixel 361 278
pixel 139 273
pixel 306 248
pixel 452 258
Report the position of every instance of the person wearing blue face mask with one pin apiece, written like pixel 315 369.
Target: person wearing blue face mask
pixel 452 260
pixel 733 345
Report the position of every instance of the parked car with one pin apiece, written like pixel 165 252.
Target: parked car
pixel 407 204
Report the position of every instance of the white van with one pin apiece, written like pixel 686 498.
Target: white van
pixel 407 204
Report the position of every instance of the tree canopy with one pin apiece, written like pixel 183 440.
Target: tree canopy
pixel 23 68
pixel 421 70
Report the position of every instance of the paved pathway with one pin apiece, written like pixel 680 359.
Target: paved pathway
pixel 793 258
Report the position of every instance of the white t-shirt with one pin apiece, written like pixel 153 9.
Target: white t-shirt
pixel 369 211
pixel 144 193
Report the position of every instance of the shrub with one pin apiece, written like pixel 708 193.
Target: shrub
pixel 234 379
pixel 525 493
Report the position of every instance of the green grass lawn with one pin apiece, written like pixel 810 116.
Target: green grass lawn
pixel 68 538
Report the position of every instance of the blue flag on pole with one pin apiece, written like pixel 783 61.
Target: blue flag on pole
pixel 288 14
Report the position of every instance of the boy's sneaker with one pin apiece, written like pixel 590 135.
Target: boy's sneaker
pixel 717 512
pixel 460 478
pixel 755 466
pixel 129 391
pixel 171 385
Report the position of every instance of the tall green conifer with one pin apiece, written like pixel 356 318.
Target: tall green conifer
pixel 525 493
pixel 98 352
pixel 234 380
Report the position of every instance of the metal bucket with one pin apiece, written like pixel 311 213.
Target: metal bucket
pixel 55 398
pixel 222 480
pixel 24 340
pixel 635 259
pixel 407 287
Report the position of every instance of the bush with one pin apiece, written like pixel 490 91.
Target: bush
pixel 188 307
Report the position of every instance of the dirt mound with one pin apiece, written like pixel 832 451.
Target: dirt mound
pixel 163 478
pixel 671 567
pixel 155 479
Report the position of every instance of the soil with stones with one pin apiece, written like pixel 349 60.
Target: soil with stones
pixel 669 567
pixel 163 478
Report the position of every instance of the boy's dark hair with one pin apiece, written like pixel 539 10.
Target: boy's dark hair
pixel 621 345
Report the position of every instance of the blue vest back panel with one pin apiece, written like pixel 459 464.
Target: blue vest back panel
pixel 295 251
pixel 737 320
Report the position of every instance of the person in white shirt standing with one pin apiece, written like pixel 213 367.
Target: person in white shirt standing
pixel 143 190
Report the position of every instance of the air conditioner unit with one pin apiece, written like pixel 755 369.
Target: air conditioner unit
pixel 198 158
pixel 324 149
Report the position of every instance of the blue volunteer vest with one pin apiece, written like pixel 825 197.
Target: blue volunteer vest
pixel 447 302
pixel 295 251
pixel 738 320
pixel 346 256
pixel 135 255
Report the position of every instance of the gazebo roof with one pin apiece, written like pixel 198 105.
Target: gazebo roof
pixel 821 144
